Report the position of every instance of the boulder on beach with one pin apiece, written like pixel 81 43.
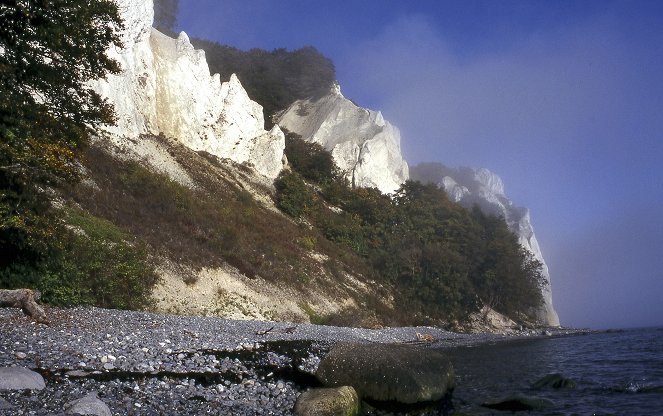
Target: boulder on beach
pixel 19 378
pixel 340 401
pixel 388 372
pixel 5 405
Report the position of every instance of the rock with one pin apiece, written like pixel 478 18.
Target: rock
pixel 5 405
pixel 20 355
pixel 341 401
pixel 555 381
pixel 19 378
pixel 77 373
pixel 362 143
pixel 386 372
pixel 88 405
pixel 165 87
pixel 518 403
pixel 469 187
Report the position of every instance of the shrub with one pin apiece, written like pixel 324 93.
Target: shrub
pixel 310 160
pixel 95 263
pixel 293 196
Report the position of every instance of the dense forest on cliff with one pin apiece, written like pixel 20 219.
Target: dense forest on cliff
pixel 444 260
pixel 275 79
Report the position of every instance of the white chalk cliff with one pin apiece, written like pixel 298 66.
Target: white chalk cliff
pixel 362 143
pixel 165 87
pixel 469 186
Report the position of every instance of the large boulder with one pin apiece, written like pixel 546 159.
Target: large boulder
pixel 19 378
pixel 341 401
pixel 388 372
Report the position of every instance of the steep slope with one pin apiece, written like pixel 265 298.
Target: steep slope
pixel 484 188
pixel 362 143
pixel 165 88
pixel 219 246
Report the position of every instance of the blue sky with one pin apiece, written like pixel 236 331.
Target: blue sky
pixel 563 99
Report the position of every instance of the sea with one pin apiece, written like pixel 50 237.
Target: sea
pixel 616 373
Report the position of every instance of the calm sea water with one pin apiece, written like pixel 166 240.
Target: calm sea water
pixel 616 373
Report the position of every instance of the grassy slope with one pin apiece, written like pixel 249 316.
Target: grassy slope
pixel 220 223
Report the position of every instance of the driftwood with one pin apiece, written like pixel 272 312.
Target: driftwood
pixel 25 299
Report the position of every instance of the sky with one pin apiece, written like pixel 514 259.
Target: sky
pixel 562 99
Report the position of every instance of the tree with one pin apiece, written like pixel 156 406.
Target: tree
pixel 49 51
pixel 311 160
pixel 165 15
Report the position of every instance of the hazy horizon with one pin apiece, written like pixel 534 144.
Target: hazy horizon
pixel 563 100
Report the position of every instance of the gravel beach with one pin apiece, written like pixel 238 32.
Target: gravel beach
pixel 141 363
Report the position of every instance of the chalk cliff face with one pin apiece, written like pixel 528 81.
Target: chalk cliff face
pixel 165 88
pixel 362 143
pixel 482 187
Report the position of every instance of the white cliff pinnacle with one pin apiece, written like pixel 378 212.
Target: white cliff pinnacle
pixel 363 144
pixel 469 186
pixel 165 87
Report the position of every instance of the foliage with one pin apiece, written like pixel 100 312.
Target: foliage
pixel 215 224
pixel 50 50
pixel 165 15
pixel 442 260
pixel 94 262
pixel 310 160
pixel 293 196
pixel 275 79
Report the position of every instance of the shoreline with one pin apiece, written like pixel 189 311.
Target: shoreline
pixel 147 363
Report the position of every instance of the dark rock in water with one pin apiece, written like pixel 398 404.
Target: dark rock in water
pixel 555 381
pixel 19 378
pixel 88 405
pixel 341 401
pixel 519 403
pixel 388 372
pixel 652 389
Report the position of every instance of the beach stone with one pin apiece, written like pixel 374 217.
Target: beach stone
pixel 555 381
pixel 19 378
pixel 341 401
pixel 518 403
pixel 388 372
pixel 88 405
pixel 5 405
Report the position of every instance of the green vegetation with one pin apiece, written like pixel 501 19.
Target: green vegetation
pixel 442 260
pixel 94 262
pixel 47 113
pixel 275 79
pixel 215 224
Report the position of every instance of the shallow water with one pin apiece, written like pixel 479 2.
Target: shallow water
pixel 619 373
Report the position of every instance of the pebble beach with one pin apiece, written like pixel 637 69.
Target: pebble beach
pixel 139 363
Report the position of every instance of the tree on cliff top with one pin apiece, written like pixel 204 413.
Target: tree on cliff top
pixel 49 50
pixel 165 15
